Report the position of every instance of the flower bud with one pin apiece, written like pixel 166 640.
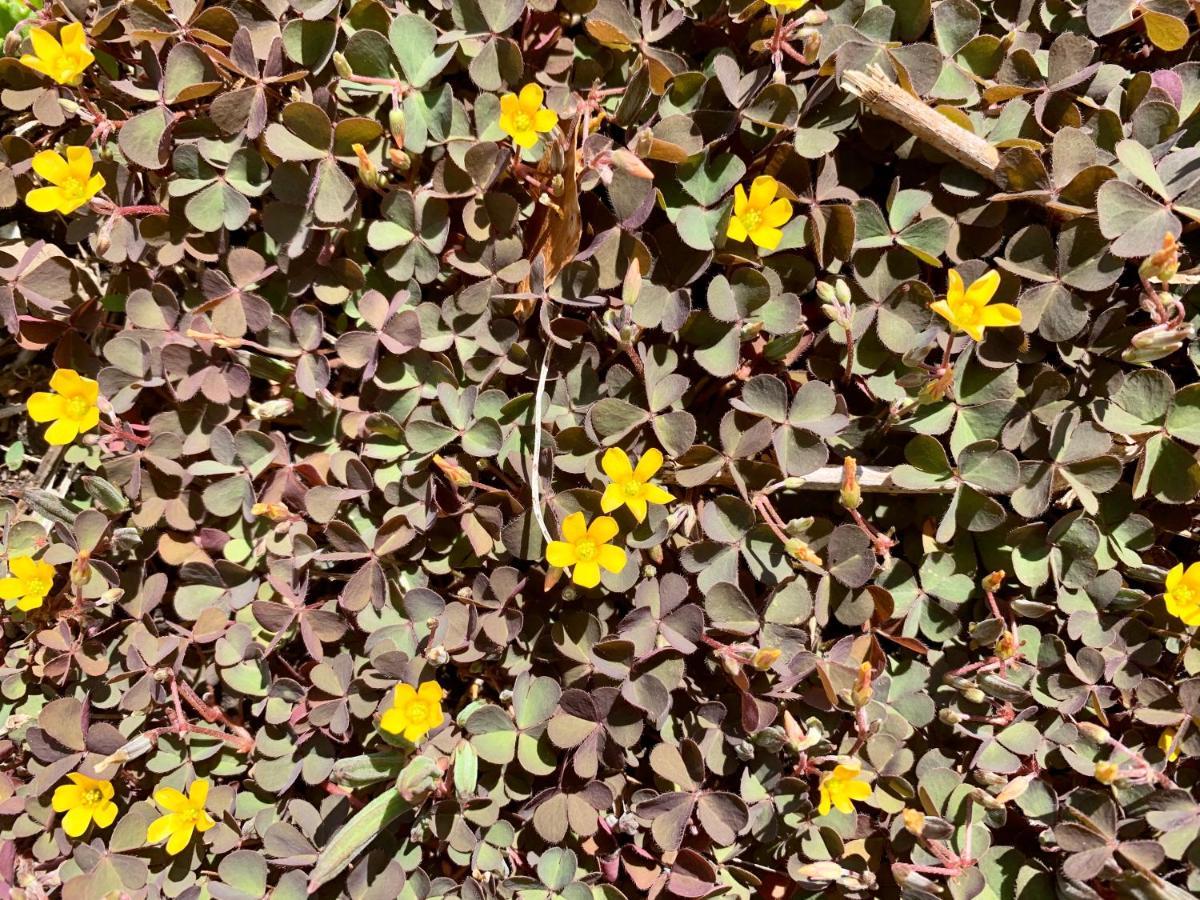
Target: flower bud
pixel 342 65
pixel 826 292
pixel 452 470
pixel 862 691
pixel 399 160
pixel 1166 741
pixel 1107 772
pixel 1094 732
pixel 138 746
pixel 1163 263
pixel 765 658
pixel 950 716
pixel 744 751
pixel 914 821
pixel 271 409
pixel 992 582
pixel 437 655
pixel 851 493
pixel 751 330
pixel 801 551
pixel 396 125
pixel 841 290
pixel 1006 645
pixel 276 512
pixel 367 173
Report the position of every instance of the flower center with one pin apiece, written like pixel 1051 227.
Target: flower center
pixel 970 311
pixel 68 67
pixel 93 797
pixel 1184 595
pixel 523 121
pixel 417 712
pixel 77 407
pixel 38 587
pixel 752 219
pixel 585 550
pixel 633 489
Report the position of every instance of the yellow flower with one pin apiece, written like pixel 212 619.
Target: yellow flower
pixel 71 179
pixel 185 814
pixel 841 786
pixel 84 801
pixel 786 6
pixel 587 548
pixel 1183 593
pixel 28 583
pixel 968 309
pixel 759 216
pixel 522 118
pixel 63 62
pixel 72 407
pixel 414 712
pixel 1164 744
pixel 631 486
pixel 1107 772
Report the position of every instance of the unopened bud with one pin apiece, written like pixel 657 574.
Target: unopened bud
pixel 138 746
pixel 81 569
pixel 271 409
pixel 800 550
pixel 1015 788
pixel 862 691
pixel 1107 772
pixel 452 470
pixel 109 597
pixel 826 292
pixel 992 582
pixel 437 655
pixel 765 658
pixel 914 821
pixel 823 870
pixel 276 512
pixel 1094 732
pixel 851 493
pixel 841 290
pixel 1163 263
pixel 1006 645
pixel 396 126
pixel 984 799
pixel 751 330
pixel 744 751
pixel 399 160
pixel 342 65
pixel 800 738
pixel 950 716
pixel 367 173
pixel 974 695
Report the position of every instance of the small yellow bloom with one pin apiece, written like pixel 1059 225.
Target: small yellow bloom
pixel 1183 593
pixel 185 814
pixel 631 486
pixel 587 548
pixel 71 179
pixel 968 309
pixel 414 712
pixel 1107 772
pixel 71 407
pixel 1164 744
pixel 841 786
pixel 786 6
pixel 63 62
pixel 28 583
pixel 522 117
pixel 84 801
pixel 759 216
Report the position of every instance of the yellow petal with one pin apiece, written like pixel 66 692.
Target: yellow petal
pixel 30 61
pixel 648 465
pixel 858 790
pixel 73 39
pixel 740 201
pixel 603 530
pixel 393 721
pixel 531 98
pixel 766 238
pixel 510 105
pixel 560 554
pixel 66 796
pixel 12 589
pixel 180 837
pixel 89 420
pixel 198 793
pixel 44 199
pixel 205 822
pixel 76 822
pixel 763 191
pixel 954 287
pixel 414 731
pixel 171 800
pixel 67 382
pixel 1000 315
pixel 430 692
pixel 526 140
pixel 586 574
pixel 975 331
pixel 160 828
pixel 637 506
pixel 105 814
pixel 52 167
pixel 736 231
pixel 545 120
pixel 25 568
pixel 79 161
pixel 778 213
pixel 612 498
pixel 825 802
pixel 30 602
pixel 842 802
pixel 616 465
pixel 61 433
pixel 984 288
pixel 611 558
pixel 574 528
pixel 403 695
pixel 1192 576
pixel 45 46
pixel 942 308
pixel 655 494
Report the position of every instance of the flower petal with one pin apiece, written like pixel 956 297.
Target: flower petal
pixel 648 465
pixel 510 105
pixel 160 828
pixel 574 528
pixel 171 800
pixel 43 406
pixel 858 790
pixel 90 420
pixel 393 721
pixel 1000 315
pixel 61 433
pixel 66 796
pixel 637 506
pixel 67 382
pixel 402 695
pixel 740 201
pixel 842 802
pixel 611 558
pixel 77 820
pixel 45 45
pixel 531 97
pixel 32 62
pixel 984 288
pixel 586 574
pixel 79 161
pixel 736 231
pixel 942 308
pixel 26 568
pixel 430 692
pixel 180 837
pixel 778 213
pixel 603 529
pixel 44 199
pixel 975 331
pixel 560 554
pixel 545 120
pixel 616 465
pixel 655 494
pixel 414 731
pixel 763 191
pixel 11 588
pixel 52 167
pixel 198 793
pixel 73 39
pixel 766 238
pixel 954 287
pixel 105 814
pixel 613 497
pixel 825 802
pixel 526 140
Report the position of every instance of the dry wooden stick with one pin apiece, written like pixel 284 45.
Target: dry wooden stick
pixel 871 480
pixel 888 100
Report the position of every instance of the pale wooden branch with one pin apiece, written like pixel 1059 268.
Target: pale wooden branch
pixel 871 480
pixel 890 101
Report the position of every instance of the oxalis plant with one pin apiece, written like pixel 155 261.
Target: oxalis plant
pixel 588 449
